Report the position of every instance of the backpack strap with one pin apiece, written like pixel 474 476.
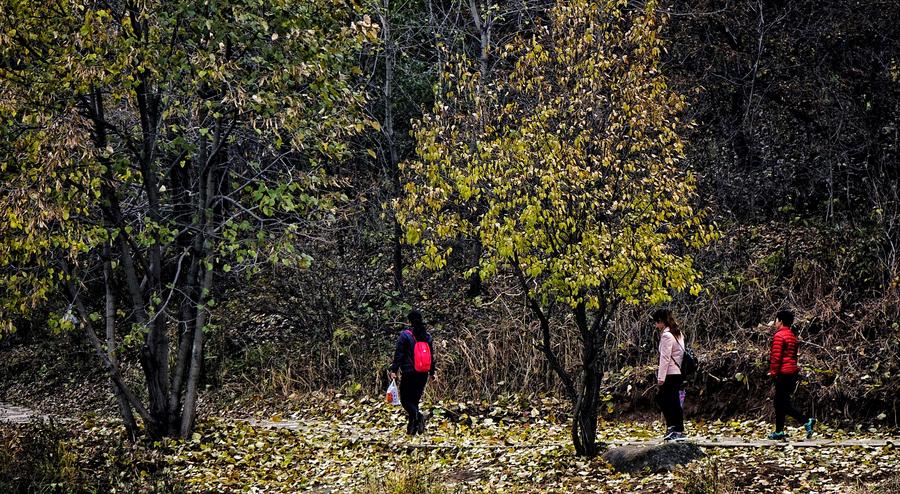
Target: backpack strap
pixel 683 353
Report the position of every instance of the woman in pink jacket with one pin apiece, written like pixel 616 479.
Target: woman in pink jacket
pixel 668 376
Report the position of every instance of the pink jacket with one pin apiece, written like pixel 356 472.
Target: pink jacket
pixel 671 354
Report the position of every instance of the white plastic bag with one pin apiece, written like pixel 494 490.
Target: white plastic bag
pixel 393 393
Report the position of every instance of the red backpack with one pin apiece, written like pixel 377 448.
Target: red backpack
pixel 421 354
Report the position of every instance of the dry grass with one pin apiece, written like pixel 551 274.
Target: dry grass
pixel 409 478
pixel 887 486
pixel 707 477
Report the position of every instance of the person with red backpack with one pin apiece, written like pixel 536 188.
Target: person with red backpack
pixel 414 358
pixel 784 368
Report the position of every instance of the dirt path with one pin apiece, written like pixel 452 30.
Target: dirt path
pixel 353 434
pixel 11 414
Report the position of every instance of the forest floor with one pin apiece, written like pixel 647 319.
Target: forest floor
pixel 270 440
pixel 336 444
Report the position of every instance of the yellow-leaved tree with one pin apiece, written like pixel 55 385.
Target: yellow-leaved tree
pixel 568 168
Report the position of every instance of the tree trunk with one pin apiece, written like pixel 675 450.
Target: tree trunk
pixel 475 285
pixel 110 316
pixel 438 38
pixel 586 395
pixel 193 381
pixel 185 341
pixel 398 256
pixel 483 21
pixel 388 128
pixel 155 351
pixel 584 421
pixel 203 253
pixel 113 219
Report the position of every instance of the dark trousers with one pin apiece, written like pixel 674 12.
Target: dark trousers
pixel 784 388
pixel 668 401
pixel 412 386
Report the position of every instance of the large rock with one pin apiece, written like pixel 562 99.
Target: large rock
pixel 655 458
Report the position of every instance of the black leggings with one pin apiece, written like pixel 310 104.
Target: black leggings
pixel 668 400
pixel 784 388
pixel 412 386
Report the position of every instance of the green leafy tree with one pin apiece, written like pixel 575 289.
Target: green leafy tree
pixel 147 148
pixel 568 169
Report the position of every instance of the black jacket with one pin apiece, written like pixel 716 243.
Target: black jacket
pixel 403 355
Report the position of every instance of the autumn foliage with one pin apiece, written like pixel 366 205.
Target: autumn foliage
pixel 568 171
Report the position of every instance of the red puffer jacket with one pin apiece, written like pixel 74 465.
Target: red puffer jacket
pixel 783 358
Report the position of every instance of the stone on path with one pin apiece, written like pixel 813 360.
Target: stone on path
pixel 655 457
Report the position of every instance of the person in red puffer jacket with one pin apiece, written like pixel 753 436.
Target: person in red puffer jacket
pixel 784 369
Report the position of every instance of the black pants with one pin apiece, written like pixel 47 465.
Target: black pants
pixel 412 386
pixel 668 401
pixel 784 388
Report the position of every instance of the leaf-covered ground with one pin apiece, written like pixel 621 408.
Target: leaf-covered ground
pixel 343 445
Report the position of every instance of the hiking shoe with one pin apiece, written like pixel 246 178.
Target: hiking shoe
pixel 669 431
pixel 809 427
pixel 777 436
pixel 420 424
pixel 671 436
pixel 411 428
pixel 679 437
